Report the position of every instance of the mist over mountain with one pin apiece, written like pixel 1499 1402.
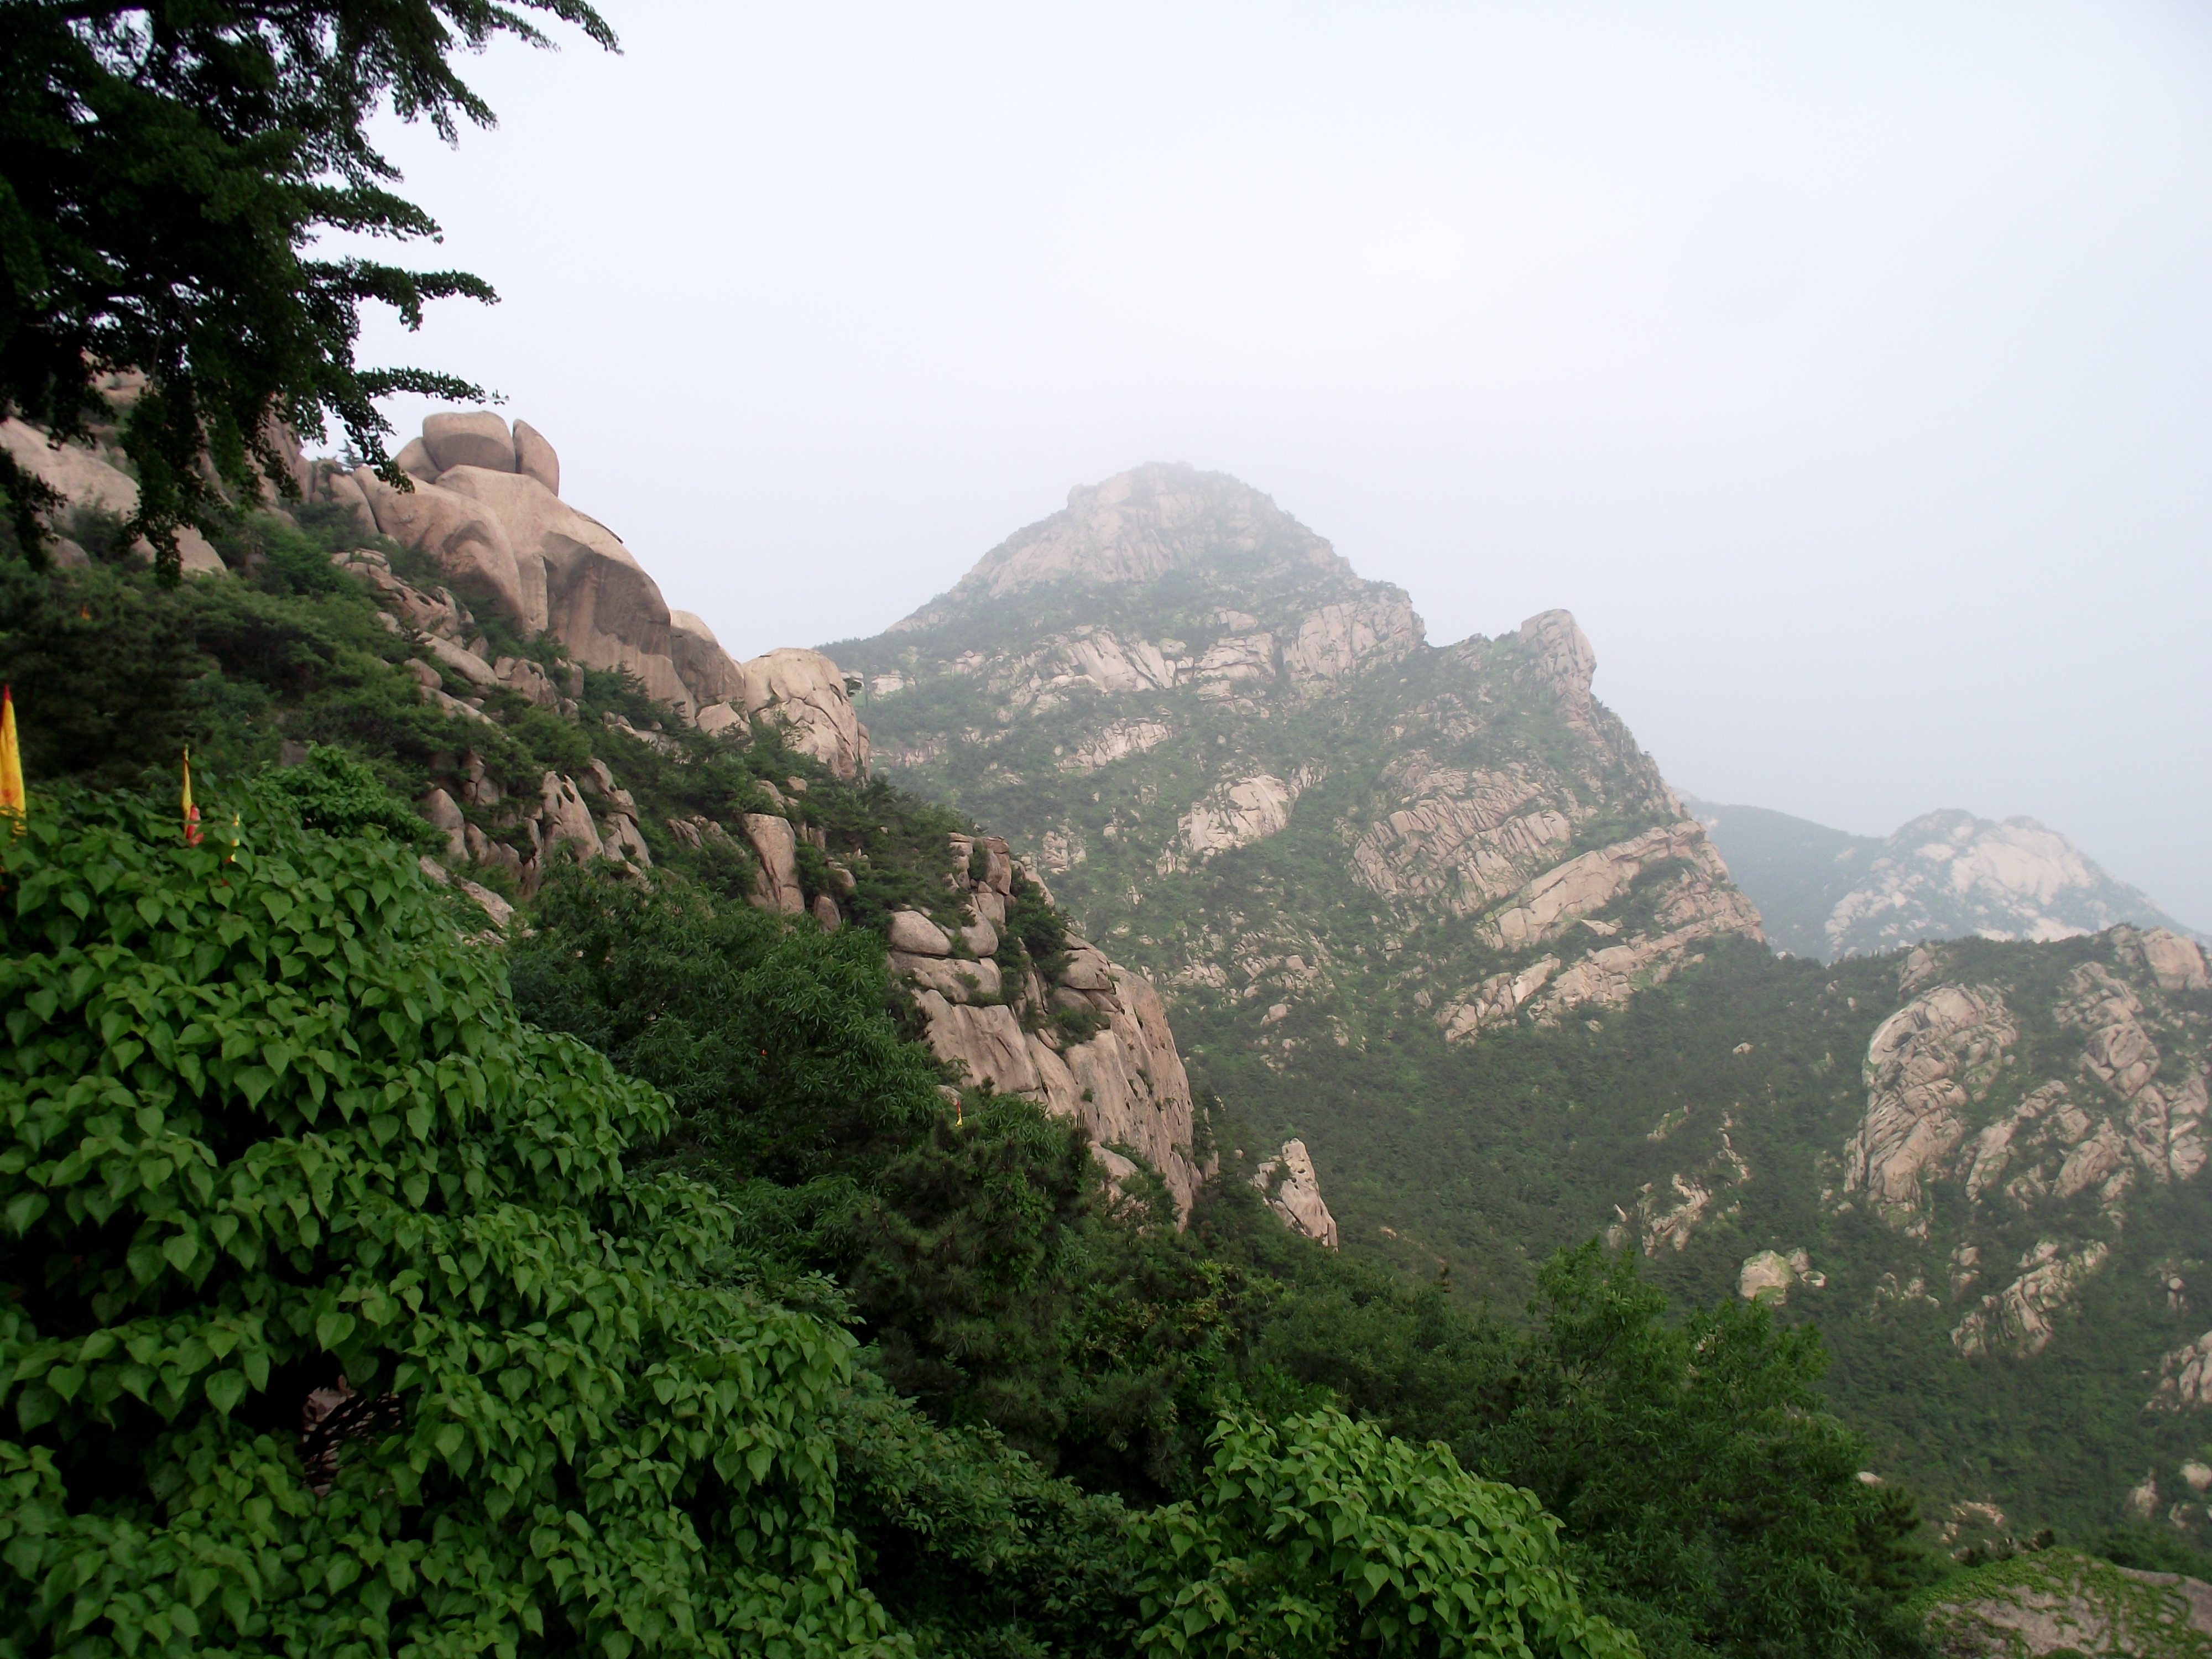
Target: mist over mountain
pixel 1433 913
pixel 1827 893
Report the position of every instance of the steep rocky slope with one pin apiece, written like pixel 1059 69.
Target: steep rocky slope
pixel 531 633
pixel 1827 894
pixel 1246 765
pixel 1430 920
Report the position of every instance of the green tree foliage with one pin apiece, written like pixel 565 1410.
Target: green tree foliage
pixel 1319 1535
pixel 164 169
pixel 1711 1503
pixel 1719 1500
pixel 775 1042
pixel 268 1125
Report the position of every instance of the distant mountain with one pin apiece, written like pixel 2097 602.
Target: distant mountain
pixel 1827 893
pixel 1431 913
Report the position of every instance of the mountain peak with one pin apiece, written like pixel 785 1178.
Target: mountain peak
pixel 1138 526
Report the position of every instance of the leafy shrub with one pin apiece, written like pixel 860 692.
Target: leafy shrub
pixel 271 1127
pixel 1319 1535
pixel 333 791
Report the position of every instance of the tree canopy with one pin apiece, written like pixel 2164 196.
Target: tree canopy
pixel 166 168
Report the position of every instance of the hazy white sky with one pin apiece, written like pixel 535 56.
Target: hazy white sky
pixel 1846 368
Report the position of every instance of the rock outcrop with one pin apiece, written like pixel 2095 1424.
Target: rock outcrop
pixel 1945 875
pixel 2059 1602
pixel 1092 1044
pixel 1293 1193
pixel 1770 1275
pixel 87 477
pixel 1622 948
pixel 486 505
pixel 2056 1133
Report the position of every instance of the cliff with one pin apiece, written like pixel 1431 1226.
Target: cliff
pixel 1247 771
pixel 485 507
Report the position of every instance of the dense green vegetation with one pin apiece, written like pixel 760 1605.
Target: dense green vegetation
pixel 681 1308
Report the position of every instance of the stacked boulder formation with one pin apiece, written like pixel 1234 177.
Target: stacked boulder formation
pixel 484 502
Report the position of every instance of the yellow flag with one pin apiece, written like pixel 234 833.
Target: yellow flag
pixel 13 802
pixel 191 812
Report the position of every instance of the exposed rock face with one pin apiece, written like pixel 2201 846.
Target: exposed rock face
pixel 2057 1600
pixel 1136 528
pixel 1249 772
pixel 2020 1318
pixel 1125 1082
pixel 1293 1193
pixel 1561 657
pixel 486 505
pixel 777 848
pixel 1926 1063
pixel 805 691
pixel 1950 1103
pixel 1666 1218
pixel 1231 815
pixel 534 457
pixel 479 439
pixel 1694 905
pixel 1945 875
pixel 85 479
pixel 1769 1276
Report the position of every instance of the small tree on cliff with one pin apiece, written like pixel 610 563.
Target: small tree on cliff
pixel 164 166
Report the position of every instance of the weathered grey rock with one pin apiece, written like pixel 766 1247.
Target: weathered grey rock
pixel 565 818
pixel 527 678
pixel 85 480
pixel 1924 1065
pixel 346 493
pixel 986 1044
pixel 2059 1600
pixel 1293 1193
pixel 479 438
pixel 827 914
pixel 76 471
pixel 2176 962
pixel 594 595
pixel 619 838
pixel 444 813
pixel 414 461
pixel 491 903
pixel 707 671
pixel 1561 658
pixel 776 887
pixel 467 542
pixel 1087 969
pixel 916 934
pixel 981 939
pixel 805 692
pixel 1137 528
pixel 463 662
pixel 717 718
pixel 484 850
pixel 534 457
pixel 955 980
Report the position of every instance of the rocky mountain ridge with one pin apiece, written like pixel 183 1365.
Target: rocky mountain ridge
pixel 1175 638
pixel 496 551
pixel 1947 874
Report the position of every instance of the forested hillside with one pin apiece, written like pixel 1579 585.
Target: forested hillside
pixel 1433 911
pixel 915 1373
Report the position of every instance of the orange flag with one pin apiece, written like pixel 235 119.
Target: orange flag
pixel 191 812
pixel 13 801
